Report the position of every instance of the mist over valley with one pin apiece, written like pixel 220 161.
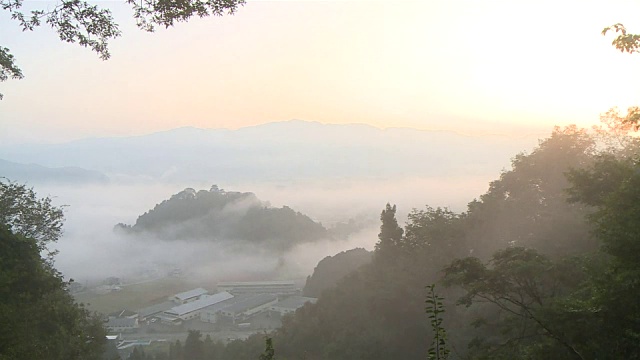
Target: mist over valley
pixel 332 175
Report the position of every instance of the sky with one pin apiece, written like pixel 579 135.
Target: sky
pixel 493 66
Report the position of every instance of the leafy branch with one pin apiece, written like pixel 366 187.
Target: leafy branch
pixel 76 21
pixel 625 42
pixel 269 352
pixel 434 309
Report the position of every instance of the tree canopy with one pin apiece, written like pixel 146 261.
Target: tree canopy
pixel 93 26
pixel 219 216
pixel 542 264
pixel 22 212
pixel 40 319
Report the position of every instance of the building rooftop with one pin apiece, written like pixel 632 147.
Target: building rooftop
pixel 121 322
pixel 255 283
pixel 199 304
pixel 190 294
pixel 157 308
pixel 294 302
pixel 122 313
pixel 223 304
pixel 249 303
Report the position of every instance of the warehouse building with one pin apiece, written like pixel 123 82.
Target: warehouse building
pixel 121 325
pixel 241 310
pixel 191 310
pixel 153 310
pixel 211 313
pixel 259 287
pixel 291 304
pixel 189 296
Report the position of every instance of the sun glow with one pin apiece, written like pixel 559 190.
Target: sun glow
pixel 491 66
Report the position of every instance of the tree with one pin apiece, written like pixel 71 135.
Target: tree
pixel 93 26
pixel 27 215
pixel 193 346
pixel 624 41
pixel 178 351
pixel 524 286
pixel 137 354
pixel 269 352
pixel 39 318
pixel 615 290
pixel 390 233
pixel 332 269
pixel 629 43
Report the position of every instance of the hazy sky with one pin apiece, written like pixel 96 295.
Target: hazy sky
pixel 492 66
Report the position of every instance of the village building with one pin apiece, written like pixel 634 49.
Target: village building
pixel 259 287
pixel 148 312
pixel 121 325
pixel 191 310
pixel 291 304
pixel 123 314
pixel 210 314
pixel 242 309
pixel 189 296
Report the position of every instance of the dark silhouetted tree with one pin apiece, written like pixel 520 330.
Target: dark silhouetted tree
pixel 390 235
pixel 193 346
pixel 40 320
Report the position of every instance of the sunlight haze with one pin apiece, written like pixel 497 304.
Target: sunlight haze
pixel 473 67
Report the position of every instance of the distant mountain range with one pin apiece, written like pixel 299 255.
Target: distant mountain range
pixel 33 173
pixel 282 150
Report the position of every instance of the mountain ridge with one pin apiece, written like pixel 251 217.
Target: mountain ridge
pixel 290 150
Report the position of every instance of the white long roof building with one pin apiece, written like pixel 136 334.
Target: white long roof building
pixel 258 287
pixel 190 295
pixel 190 309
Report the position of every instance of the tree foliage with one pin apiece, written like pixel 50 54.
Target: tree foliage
pixel 93 26
pixel 623 41
pixel 578 307
pixel 332 269
pixel 40 320
pixel 629 43
pixel 194 346
pixel 434 309
pixel 269 352
pixel 27 215
pixel 522 284
pixel 218 215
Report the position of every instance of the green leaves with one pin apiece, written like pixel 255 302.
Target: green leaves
pixel 624 42
pixel 8 68
pixel 27 215
pixel 269 352
pixel 149 13
pixel 92 26
pixel 89 26
pixel 434 309
pixel 40 319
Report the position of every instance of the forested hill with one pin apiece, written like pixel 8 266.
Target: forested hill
pixel 332 269
pixel 218 215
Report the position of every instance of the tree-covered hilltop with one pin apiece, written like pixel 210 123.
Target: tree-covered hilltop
pixel 332 269
pixel 218 215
